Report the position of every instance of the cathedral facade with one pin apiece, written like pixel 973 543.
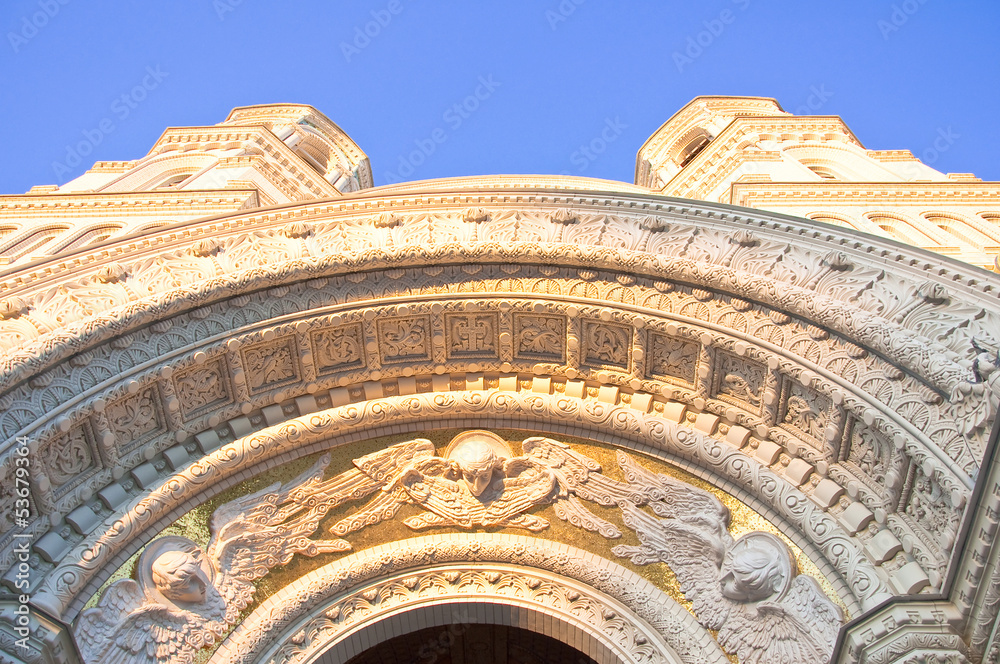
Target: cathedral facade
pixel 258 410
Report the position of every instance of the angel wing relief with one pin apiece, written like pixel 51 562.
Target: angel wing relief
pixel 748 589
pixel 185 599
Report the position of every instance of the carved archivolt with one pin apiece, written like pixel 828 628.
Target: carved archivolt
pixel 632 618
pixel 851 399
pixel 839 414
pixel 66 587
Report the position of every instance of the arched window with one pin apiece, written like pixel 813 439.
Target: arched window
pixel 823 171
pixel 173 181
pixel 91 235
pixel 691 150
pixel 29 243
pixel 902 230
pixel 963 232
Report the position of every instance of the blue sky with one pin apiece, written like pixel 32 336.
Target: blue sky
pixel 551 75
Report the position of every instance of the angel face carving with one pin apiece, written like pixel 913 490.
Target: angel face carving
pixel 477 461
pixel 179 577
pixel 746 589
pixel 184 597
pixel 755 569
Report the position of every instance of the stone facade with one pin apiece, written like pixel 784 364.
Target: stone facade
pixel 218 430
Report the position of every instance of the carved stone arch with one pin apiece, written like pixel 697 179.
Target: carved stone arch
pixel 547 587
pixel 218 304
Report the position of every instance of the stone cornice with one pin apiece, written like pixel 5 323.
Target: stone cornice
pixel 143 202
pixel 866 193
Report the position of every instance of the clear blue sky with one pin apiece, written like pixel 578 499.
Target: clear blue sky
pixel 902 73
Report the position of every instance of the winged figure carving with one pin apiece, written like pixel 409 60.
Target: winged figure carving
pixel 974 402
pixel 478 483
pixel 747 589
pixel 184 598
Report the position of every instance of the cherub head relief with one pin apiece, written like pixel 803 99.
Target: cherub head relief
pixel 179 577
pixel 477 461
pixel 757 567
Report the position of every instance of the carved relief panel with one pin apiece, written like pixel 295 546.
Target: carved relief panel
pixel 929 508
pixel 404 339
pixel 70 458
pixel 272 365
pixel 137 418
pixel 740 381
pixel 806 413
pixel 539 337
pixel 340 348
pixel 672 358
pixel 202 388
pixel 472 335
pixel 606 345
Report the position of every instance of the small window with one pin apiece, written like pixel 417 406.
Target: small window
pixel 692 149
pixel 823 172
pixel 173 181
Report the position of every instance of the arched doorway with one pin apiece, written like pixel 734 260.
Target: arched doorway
pixel 469 644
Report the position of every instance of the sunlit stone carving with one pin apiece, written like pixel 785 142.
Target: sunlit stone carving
pixel 185 599
pixel 747 589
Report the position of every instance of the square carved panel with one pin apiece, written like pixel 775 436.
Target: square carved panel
pixel 806 413
pixel 471 335
pixel 672 358
pixel 70 458
pixel 203 388
pixel 739 381
pixel 869 453
pixel 137 418
pixel 271 365
pixel 606 345
pixel 340 348
pixel 404 339
pixel 539 337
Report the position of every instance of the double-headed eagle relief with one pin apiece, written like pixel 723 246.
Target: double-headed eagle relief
pixel 184 599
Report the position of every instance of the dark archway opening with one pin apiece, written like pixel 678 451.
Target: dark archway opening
pixel 472 644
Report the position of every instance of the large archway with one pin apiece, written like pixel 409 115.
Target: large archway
pixel 828 393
